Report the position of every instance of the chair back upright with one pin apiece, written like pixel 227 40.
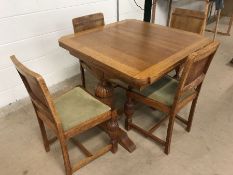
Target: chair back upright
pixel 195 69
pixel 190 20
pixel 88 22
pixel 38 92
pixel 84 23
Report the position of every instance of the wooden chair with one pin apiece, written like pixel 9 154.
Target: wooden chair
pixel 170 95
pixel 86 23
pixel 227 11
pixel 67 116
pixel 189 20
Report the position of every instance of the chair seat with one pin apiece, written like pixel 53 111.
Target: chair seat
pixel 77 106
pixel 164 91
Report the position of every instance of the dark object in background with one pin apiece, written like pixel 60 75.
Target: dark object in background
pixel 219 4
pixel 231 61
pixel 147 10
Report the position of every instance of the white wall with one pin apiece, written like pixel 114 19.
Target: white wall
pixel 30 30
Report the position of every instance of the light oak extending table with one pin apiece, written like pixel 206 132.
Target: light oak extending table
pixel 134 52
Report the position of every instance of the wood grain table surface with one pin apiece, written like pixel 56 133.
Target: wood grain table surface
pixel 133 51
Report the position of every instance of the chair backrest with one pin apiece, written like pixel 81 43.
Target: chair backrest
pixel 189 20
pixel 88 22
pixel 195 69
pixel 38 91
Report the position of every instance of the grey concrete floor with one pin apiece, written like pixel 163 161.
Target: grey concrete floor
pixel 207 150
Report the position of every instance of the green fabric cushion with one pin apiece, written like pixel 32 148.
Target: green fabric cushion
pixel 164 91
pixel 77 106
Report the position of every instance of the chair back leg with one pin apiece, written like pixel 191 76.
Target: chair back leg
pixel 170 131
pixel 230 26
pixel 44 135
pixel 192 109
pixel 82 75
pixel 191 114
pixel 43 131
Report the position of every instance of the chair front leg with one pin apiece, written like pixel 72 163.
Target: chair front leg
pixel 82 75
pixel 129 111
pixel 169 133
pixel 113 128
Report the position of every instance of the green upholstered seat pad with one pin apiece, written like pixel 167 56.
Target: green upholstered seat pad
pixel 77 106
pixel 164 91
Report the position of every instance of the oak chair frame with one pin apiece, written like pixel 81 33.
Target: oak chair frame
pixel 188 16
pixel 192 78
pixel 47 116
pixel 84 23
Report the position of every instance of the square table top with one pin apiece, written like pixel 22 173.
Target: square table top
pixel 136 49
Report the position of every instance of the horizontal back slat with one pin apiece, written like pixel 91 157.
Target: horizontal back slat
pixel 189 13
pixel 188 20
pixel 88 22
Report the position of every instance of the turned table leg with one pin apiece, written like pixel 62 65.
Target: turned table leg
pixel 104 92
